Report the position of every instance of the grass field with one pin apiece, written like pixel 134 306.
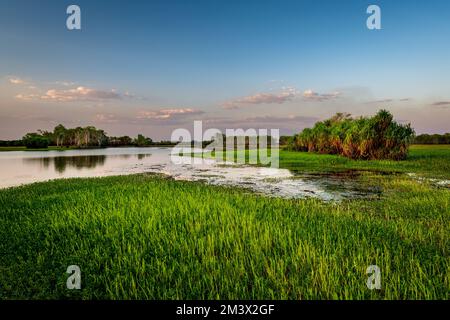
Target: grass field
pixel 148 237
pixel 425 160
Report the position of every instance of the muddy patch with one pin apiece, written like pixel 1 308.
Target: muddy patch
pixel 276 182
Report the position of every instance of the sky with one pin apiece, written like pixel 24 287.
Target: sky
pixel 154 66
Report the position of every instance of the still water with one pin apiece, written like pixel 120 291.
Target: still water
pixel 23 167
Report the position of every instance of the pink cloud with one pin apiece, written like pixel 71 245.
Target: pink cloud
pixel 288 94
pixel 79 94
pixel 314 96
pixel 164 114
pixel 16 81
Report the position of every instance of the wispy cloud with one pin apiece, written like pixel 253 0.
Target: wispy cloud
pixel 79 94
pixel 280 120
pixel 71 95
pixel 441 103
pixel 106 118
pixel 166 114
pixel 380 101
pixel 65 83
pixel 389 100
pixel 14 80
pixel 287 94
pixel 315 96
pixel 27 97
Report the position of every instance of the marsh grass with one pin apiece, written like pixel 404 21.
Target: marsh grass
pixel 425 160
pixel 148 237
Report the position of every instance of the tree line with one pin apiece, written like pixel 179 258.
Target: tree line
pixel 377 137
pixel 80 137
pixel 432 139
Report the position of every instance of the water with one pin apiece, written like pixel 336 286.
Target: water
pixel 23 167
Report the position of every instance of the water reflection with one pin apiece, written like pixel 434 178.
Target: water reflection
pixel 24 167
pixel 61 164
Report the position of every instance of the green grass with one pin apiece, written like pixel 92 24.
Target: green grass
pixel 146 237
pixel 431 160
pixel 425 160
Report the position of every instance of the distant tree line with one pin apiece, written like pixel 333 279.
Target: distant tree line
pixel 432 139
pixel 377 137
pixel 80 137
pixel 11 143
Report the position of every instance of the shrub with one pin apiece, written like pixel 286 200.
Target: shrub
pixel 378 137
pixel 35 141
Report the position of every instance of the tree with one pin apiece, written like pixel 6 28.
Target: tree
pixel 142 141
pixel 35 141
pixel 59 133
pixel 125 141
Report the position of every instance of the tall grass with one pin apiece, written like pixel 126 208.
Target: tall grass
pixel 146 237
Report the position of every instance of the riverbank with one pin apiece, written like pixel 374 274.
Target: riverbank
pixel 149 237
pixel 55 148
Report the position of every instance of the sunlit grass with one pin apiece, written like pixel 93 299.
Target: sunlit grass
pixel 146 237
pixel 426 160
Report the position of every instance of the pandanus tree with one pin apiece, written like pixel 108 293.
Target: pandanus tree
pixel 378 137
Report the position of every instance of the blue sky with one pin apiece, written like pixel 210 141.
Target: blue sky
pixel 152 66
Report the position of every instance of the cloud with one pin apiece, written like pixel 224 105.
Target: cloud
pixel 65 83
pixel 80 94
pixel 441 104
pixel 281 120
pixel 16 81
pixel 166 114
pixel 314 96
pixel 388 100
pixel 71 95
pixel 381 101
pixel 105 118
pixel 27 97
pixel 287 94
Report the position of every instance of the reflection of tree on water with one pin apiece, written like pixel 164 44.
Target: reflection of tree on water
pixel 80 162
pixel 142 156
pixel 61 163
pixel 45 162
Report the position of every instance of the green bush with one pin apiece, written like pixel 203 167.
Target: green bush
pixel 377 137
pixel 35 141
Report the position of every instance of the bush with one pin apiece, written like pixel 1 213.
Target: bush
pixel 378 137
pixel 35 141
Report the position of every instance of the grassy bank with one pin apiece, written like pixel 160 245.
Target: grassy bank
pixel 428 160
pixel 431 161
pixel 145 237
